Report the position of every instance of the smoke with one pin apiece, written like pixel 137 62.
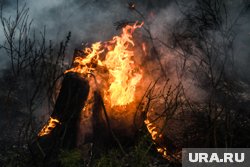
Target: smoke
pixel 92 20
pixel 164 24
pixel 88 20
pixel 242 51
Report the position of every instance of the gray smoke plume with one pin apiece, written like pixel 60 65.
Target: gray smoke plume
pixel 88 20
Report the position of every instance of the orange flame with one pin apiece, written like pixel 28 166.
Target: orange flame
pixel 49 127
pixel 156 135
pixel 87 64
pixel 144 48
pixel 123 74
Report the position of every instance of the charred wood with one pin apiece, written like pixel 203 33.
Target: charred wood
pixel 68 107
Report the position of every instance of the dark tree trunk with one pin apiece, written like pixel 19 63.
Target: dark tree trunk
pixel 69 104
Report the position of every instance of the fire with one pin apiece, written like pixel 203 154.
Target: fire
pixel 87 64
pixel 116 57
pixel 156 135
pixel 144 48
pixel 123 74
pixel 152 129
pixel 122 71
pixel 49 127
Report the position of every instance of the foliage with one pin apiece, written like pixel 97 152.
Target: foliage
pixel 15 156
pixel 33 73
pixel 140 155
pixel 70 158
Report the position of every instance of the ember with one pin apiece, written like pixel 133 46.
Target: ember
pixel 52 123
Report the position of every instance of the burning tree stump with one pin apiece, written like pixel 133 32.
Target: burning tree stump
pixel 113 75
pixel 62 127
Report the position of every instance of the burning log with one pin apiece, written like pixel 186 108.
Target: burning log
pixel 62 128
